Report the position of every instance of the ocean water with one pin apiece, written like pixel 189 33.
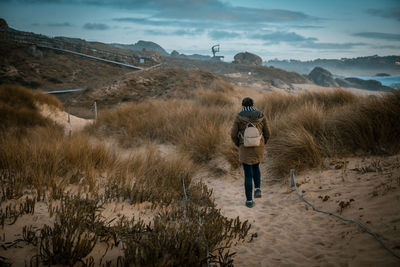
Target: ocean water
pixel 392 81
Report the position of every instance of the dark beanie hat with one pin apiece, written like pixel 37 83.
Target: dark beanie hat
pixel 247 102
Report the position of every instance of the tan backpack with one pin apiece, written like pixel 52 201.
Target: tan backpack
pixel 251 136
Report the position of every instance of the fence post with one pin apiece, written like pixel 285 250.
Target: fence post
pixel 95 110
pixel 183 183
pixel 291 178
pixel 69 119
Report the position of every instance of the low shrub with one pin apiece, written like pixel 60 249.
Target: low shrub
pixel 74 233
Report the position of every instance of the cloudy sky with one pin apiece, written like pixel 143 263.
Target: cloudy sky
pixel 283 29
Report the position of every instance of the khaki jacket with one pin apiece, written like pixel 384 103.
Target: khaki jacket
pixel 250 155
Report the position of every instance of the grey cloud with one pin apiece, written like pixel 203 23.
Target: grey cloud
pixel 391 13
pixel 65 24
pixel 180 32
pixel 386 47
pixel 278 37
pixel 220 35
pixel 232 14
pixel 305 27
pixel 156 32
pixel 330 46
pixel 215 10
pixel 96 26
pixel 297 40
pixel 144 21
pixel 379 35
pixel 164 22
pixel 191 32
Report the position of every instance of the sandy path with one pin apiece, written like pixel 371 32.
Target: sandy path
pixel 70 123
pixel 292 234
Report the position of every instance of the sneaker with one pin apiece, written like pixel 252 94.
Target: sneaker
pixel 250 204
pixel 257 193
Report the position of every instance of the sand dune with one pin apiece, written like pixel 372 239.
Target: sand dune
pixel 290 233
pixel 70 122
pixel 286 231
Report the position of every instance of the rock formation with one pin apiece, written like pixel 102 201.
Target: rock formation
pixel 248 59
pixel 382 74
pixel 278 83
pixel 34 51
pixel 150 46
pixel 344 83
pixel 362 84
pixel 3 24
pixel 174 53
pixel 322 77
pixel 367 84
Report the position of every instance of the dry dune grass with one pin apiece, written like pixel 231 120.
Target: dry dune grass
pixel 75 177
pixel 18 109
pixel 307 127
pixel 44 165
pixel 198 126
pixel 38 159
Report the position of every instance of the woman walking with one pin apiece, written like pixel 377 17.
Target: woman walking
pixel 250 153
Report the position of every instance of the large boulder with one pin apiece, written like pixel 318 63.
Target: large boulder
pixel 367 84
pixel 174 53
pixel 247 58
pixel 362 84
pixel 322 77
pixel 344 83
pixel 34 51
pixel 280 84
pixel 3 24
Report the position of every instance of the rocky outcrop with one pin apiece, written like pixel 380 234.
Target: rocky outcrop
pixel 367 84
pixel 362 84
pixel 278 83
pixel 322 77
pixel 34 51
pixel 382 74
pixel 248 59
pixel 174 53
pixel 140 45
pixel 150 55
pixel 344 83
pixel 3 24
pixel 395 85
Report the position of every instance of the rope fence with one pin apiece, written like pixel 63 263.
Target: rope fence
pixel 292 183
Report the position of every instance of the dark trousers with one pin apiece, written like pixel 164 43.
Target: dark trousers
pixel 251 172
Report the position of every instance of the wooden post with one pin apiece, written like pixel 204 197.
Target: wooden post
pixel 69 119
pixel 183 183
pixel 291 178
pixel 114 150
pixel 95 110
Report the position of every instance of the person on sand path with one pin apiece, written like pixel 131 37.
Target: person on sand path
pixel 250 157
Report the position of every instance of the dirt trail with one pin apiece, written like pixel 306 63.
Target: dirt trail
pixel 289 233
